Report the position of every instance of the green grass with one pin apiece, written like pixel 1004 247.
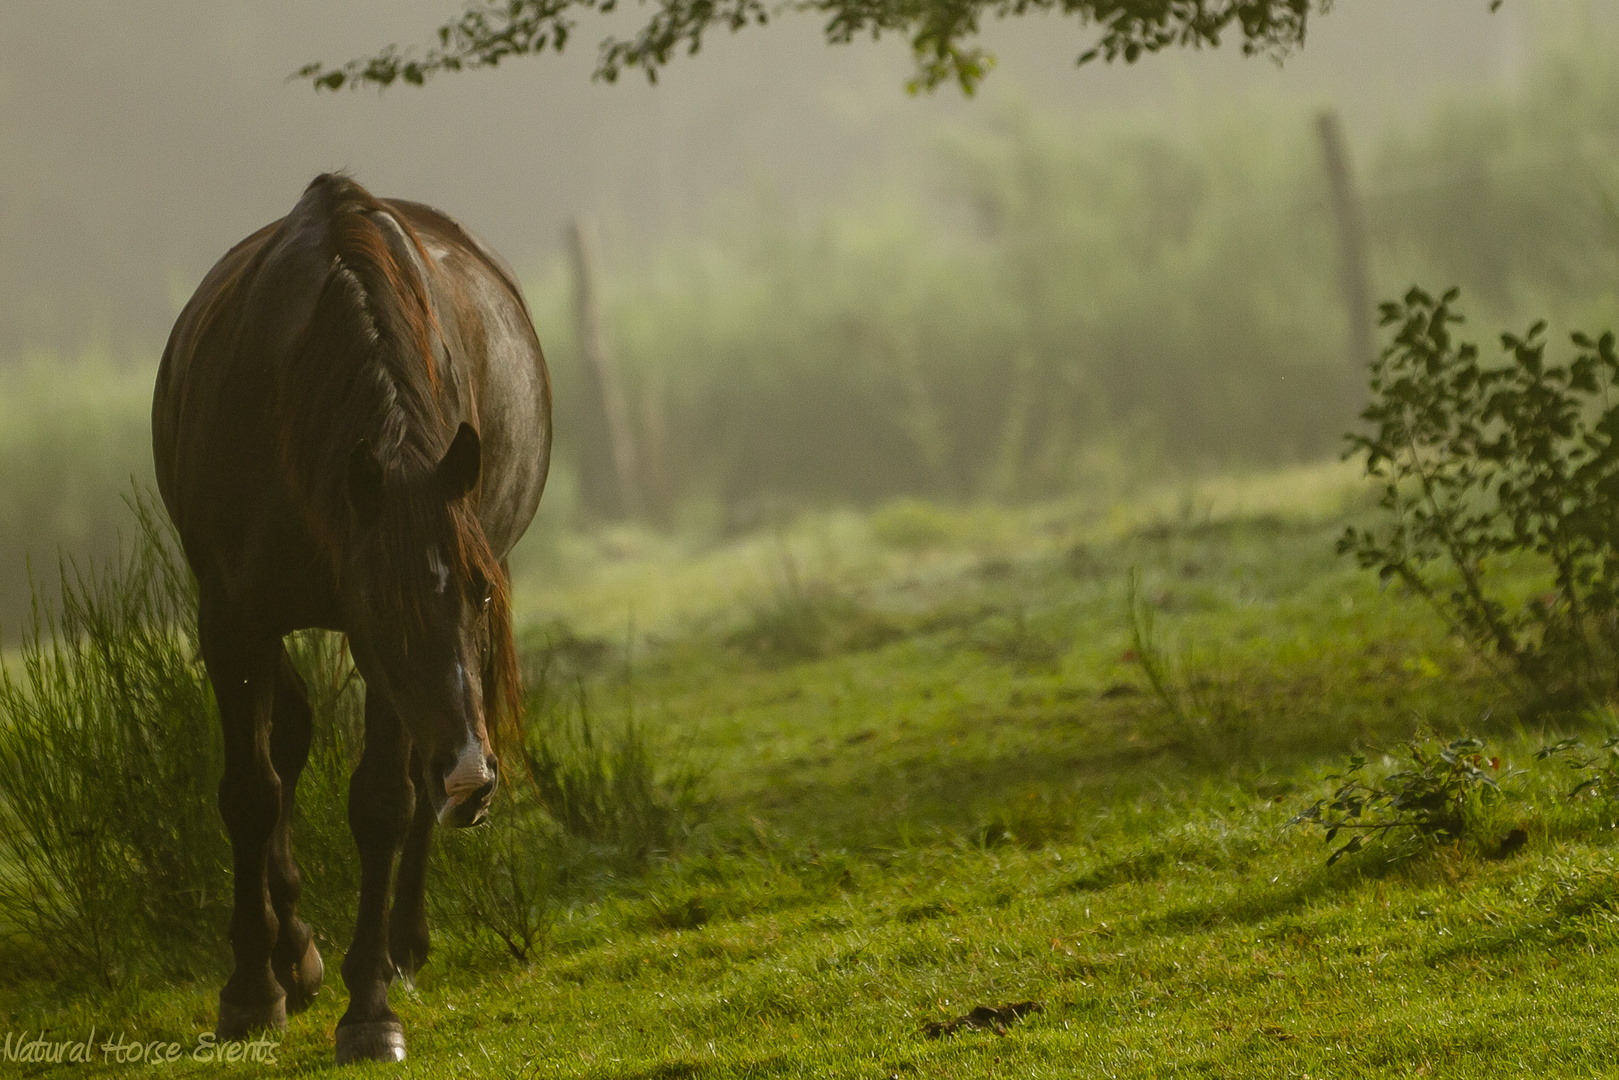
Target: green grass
pixel 982 805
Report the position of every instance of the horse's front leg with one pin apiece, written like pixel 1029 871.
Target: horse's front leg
pixel 295 960
pixel 380 804
pixel 407 924
pixel 242 667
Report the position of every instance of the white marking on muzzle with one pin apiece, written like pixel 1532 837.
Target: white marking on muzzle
pixel 471 772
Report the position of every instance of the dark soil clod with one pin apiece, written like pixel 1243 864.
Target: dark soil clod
pixel 994 1017
pixel 1510 844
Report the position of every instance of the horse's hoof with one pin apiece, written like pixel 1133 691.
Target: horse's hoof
pixel 237 1022
pixel 377 1040
pixel 305 981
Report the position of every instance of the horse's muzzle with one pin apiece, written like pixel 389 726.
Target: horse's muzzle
pixel 469 788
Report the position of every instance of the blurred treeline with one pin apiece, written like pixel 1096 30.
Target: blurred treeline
pixel 1060 308
pixel 1061 305
pixel 1068 309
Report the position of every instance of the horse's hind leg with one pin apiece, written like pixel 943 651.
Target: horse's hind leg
pixel 407 923
pixel 295 960
pixel 242 667
pixel 380 805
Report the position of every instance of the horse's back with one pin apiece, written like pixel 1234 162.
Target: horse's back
pixel 235 371
pixel 210 441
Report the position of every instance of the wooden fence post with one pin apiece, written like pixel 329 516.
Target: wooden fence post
pixel 1354 278
pixel 607 381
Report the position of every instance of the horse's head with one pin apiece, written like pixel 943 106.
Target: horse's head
pixel 424 603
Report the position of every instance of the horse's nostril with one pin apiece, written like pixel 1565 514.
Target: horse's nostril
pixel 493 764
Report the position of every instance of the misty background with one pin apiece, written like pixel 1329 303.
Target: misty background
pixel 821 290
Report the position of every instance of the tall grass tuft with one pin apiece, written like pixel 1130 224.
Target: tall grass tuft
pixel 602 787
pixel 504 879
pixel 592 806
pixel 112 857
pixel 808 618
pixel 321 841
pixel 1207 718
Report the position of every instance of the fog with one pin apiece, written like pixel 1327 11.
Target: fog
pixel 820 290
pixel 141 140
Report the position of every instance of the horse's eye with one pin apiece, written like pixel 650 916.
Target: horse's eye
pixel 482 589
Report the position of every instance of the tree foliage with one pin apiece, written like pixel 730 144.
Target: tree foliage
pixel 941 32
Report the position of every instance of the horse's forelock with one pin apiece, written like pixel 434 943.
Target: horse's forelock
pixel 502 691
pixel 418 520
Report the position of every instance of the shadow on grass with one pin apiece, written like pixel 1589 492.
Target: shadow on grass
pixel 968 772
pixel 1249 907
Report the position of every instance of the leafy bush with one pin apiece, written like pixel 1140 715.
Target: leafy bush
pixel 1429 800
pixel 1480 463
pixel 1487 462
pixel 1596 771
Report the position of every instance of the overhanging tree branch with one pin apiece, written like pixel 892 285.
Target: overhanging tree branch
pixel 940 31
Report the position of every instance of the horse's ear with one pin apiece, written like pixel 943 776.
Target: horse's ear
pixel 365 481
pixel 459 469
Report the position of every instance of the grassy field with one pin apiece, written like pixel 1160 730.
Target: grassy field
pixel 933 777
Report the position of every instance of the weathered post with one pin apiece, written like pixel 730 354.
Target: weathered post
pixel 1354 278
pixel 605 378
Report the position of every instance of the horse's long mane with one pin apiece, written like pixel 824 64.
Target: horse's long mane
pixel 373 366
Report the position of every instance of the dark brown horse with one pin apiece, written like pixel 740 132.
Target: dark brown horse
pixel 352 426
